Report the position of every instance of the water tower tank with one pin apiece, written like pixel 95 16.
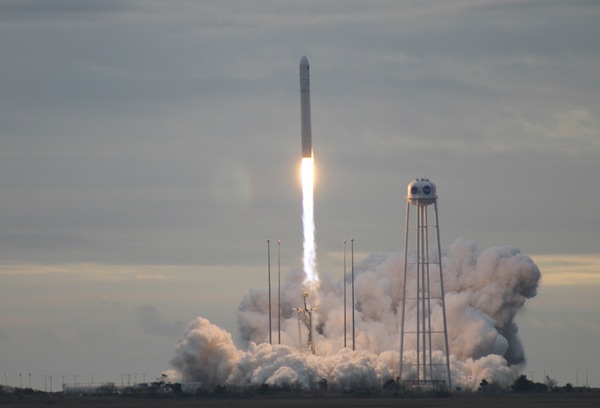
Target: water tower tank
pixel 421 192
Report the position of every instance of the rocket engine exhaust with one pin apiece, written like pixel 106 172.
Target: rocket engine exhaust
pixel 308 222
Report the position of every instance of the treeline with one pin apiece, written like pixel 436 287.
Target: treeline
pixel 161 388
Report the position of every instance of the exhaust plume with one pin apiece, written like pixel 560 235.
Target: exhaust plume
pixel 308 223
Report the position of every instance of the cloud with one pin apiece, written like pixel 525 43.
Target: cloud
pixel 569 269
pixel 32 9
pixel 152 322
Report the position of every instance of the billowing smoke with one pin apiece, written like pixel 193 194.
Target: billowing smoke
pixel 483 290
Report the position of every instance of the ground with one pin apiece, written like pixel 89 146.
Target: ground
pixel 591 399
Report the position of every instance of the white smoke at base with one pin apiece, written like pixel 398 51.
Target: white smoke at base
pixel 308 222
pixel 483 291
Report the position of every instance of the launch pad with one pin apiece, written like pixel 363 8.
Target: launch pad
pixel 305 317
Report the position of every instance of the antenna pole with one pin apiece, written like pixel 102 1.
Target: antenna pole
pixel 279 292
pixel 353 322
pixel 269 273
pixel 345 303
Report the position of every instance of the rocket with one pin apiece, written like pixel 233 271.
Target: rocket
pixel 305 108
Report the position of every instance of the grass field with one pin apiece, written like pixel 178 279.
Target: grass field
pixel 581 400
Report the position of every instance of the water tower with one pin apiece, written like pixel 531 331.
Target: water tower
pixel 424 334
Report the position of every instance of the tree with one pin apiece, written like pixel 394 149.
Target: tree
pixel 176 388
pixel 522 384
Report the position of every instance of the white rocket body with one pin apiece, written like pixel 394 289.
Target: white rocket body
pixel 305 108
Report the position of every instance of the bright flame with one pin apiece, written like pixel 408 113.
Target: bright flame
pixel 308 221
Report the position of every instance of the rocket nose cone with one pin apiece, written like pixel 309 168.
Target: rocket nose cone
pixel 304 61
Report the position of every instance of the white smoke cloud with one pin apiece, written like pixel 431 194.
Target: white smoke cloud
pixel 206 354
pixel 483 293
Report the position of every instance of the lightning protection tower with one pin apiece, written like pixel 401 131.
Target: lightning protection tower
pixel 424 356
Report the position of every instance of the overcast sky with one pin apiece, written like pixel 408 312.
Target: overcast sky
pixel 148 149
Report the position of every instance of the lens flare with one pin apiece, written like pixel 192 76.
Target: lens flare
pixel 308 222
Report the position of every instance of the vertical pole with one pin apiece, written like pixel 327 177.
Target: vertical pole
pixel 423 292
pixel 437 228
pixel 418 244
pixel 404 293
pixel 353 321
pixel 345 303
pixel 428 295
pixel 299 332
pixel 279 292
pixel 269 273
